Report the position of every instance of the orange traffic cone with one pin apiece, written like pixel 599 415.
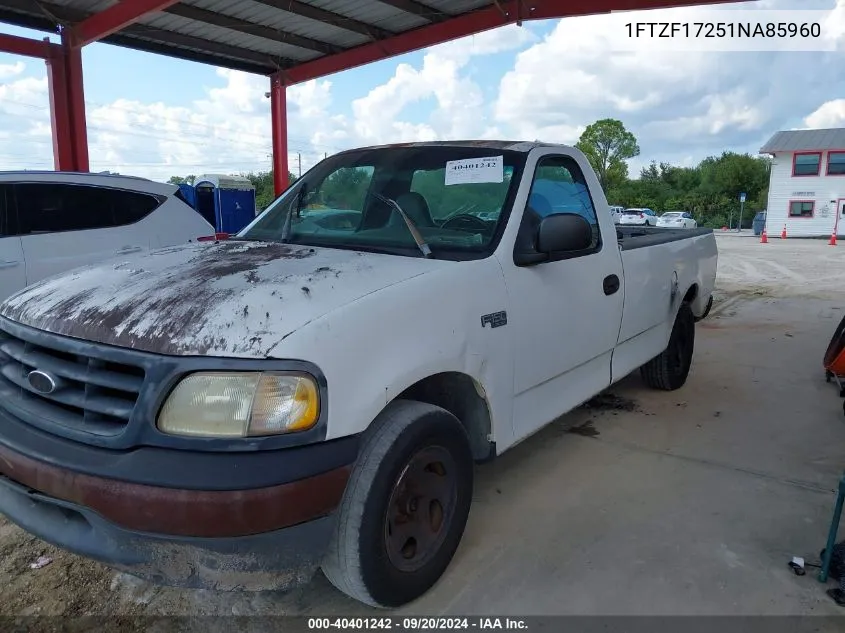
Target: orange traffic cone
pixel 764 238
pixel 783 233
pixel 832 241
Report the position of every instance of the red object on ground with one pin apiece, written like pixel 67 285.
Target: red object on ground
pixel 834 357
pixel 832 241
pixel 783 233
pixel 213 238
pixel 764 239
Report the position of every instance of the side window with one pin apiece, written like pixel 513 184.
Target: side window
pixel 5 210
pixel 51 208
pixel 559 187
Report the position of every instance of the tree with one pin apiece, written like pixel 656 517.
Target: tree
pixel 607 145
pixel 178 180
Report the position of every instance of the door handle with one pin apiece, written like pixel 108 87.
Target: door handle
pixel 610 284
pixel 128 249
pixel 9 264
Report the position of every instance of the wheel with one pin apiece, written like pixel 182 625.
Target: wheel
pixel 669 370
pixel 405 507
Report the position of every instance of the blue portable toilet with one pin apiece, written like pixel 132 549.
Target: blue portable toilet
pixel 227 202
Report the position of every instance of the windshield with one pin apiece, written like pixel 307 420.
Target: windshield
pixel 673 214
pixel 634 211
pixel 457 197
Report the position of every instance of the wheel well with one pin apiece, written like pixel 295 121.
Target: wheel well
pixel 692 293
pixel 459 395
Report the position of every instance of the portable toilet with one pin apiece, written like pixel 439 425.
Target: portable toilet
pixel 227 202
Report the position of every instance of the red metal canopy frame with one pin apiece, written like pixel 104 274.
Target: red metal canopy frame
pixel 64 60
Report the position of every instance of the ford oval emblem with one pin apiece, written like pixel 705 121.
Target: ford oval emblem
pixel 42 381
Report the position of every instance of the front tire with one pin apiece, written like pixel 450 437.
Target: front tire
pixel 670 369
pixel 405 507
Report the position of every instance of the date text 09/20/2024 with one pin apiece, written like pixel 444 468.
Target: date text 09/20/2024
pixel 416 624
pixel 719 30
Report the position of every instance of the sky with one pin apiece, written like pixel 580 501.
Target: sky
pixel 156 117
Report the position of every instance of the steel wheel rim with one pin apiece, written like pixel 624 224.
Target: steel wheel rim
pixel 421 508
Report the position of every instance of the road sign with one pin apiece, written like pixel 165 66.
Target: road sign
pixel 742 197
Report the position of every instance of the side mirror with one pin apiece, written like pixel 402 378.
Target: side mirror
pixel 564 232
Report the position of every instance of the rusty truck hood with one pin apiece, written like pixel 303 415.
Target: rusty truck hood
pixel 226 299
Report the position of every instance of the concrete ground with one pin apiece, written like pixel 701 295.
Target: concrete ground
pixel 690 502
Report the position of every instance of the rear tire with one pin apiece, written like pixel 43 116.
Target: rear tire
pixel 405 507
pixel 670 369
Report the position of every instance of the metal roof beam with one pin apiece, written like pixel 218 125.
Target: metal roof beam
pixel 27 47
pixel 153 40
pixel 418 8
pixel 114 19
pixel 251 28
pixel 470 23
pixel 163 38
pixel 327 17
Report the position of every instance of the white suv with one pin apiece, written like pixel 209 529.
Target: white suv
pixel 639 216
pixel 51 222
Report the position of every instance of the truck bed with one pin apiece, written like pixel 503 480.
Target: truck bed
pixel 631 237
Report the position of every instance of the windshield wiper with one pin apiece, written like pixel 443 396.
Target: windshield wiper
pixel 415 232
pixel 295 206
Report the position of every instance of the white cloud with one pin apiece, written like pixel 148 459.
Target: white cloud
pixel 678 105
pixel 11 70
pixel 460 108
pixel 830 114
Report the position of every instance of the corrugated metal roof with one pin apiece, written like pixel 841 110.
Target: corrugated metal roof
pixel 805 140
pixel 265 36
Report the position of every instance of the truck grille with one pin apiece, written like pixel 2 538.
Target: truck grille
pixel 91 396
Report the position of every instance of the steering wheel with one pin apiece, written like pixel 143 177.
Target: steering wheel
pixel 467 220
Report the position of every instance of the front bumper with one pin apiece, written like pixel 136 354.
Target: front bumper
pixel 276 560
pixel 254 538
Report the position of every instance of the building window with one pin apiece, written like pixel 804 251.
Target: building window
pixel 801 208
pixel 836 163
pixel 806 164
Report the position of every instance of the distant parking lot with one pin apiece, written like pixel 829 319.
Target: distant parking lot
pixel 645 502
pixel 781 267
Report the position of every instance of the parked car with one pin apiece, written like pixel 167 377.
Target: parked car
pixel 616 213
pixel 55 221
pixel 759 222
pixel 639 217
pixel 301 396
pixel 677 220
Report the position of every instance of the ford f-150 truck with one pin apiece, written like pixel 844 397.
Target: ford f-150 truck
pixel 316 390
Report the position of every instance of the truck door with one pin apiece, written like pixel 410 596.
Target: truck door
pixel 566 312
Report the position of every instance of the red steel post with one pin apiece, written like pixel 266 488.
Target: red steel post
pixel 76 102
pixel 279 119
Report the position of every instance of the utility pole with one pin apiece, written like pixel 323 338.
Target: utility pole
pixel 299 158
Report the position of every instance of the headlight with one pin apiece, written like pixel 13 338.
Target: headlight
pixel 240 404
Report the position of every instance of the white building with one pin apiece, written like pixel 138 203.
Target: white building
pixel 807 183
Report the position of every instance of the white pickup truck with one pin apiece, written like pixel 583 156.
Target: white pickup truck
pixel 314 391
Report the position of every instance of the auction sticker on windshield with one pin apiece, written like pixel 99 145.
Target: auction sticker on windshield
pixel 475 170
